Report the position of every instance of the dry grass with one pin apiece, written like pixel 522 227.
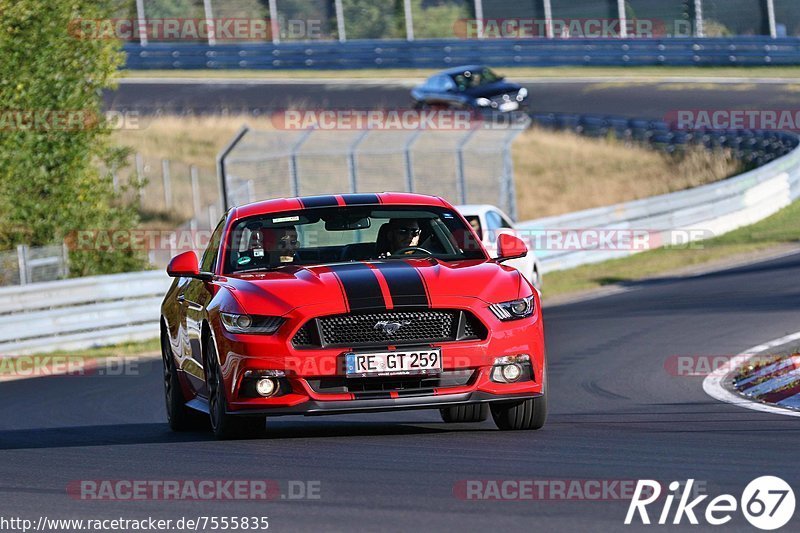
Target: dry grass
pixel 556 172
pixel 560 172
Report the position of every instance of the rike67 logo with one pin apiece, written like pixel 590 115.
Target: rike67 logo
pixel 767 503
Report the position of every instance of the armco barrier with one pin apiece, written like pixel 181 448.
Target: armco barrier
pixel 79 313
pixel 712 209
pixel 441 53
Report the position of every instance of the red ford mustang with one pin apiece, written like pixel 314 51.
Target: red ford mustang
pixel 350 303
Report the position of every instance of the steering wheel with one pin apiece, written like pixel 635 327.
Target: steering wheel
pixel 412 249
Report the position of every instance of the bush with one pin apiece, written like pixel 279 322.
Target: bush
pixel 55 141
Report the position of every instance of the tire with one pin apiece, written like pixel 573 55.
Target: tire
pixel 525 414
pixel 224 425
pixel 179 417
pixel 472 412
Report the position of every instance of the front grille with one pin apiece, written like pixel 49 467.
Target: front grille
pixel 401 384
pixel 366 329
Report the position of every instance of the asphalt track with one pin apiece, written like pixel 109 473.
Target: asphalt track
pixel 616 414
pixel 633 99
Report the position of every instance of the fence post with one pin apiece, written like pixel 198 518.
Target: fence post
pixel 548 19
pixel 210 26
pixel 700 30
pixel 773 30
pixel 167 183
pixel 64 260
pixel 352 165
pixel 340 29
pixel 295 179
pixel 22 262
pixel 461 180
pixel 195 191
pixel 623 19
pixel 221 177
pixel 274 23
pixel 409 20
pixel 479 17
pixel 139 179
pixel 212 216
pixel 409 161
pixel 141 22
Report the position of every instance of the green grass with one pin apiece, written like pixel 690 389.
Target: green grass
pixel 614 73
pixel 781 228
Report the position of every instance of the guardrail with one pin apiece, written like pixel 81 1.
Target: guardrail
pixel 80 313
pixel 441 53
pixel 715 208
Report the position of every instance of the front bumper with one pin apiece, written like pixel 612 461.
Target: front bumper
pixel 317 408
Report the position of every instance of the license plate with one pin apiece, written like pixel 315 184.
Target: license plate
pixel 509 106
pixel 406 363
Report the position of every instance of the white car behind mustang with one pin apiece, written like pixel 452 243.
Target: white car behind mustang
pixel 489 221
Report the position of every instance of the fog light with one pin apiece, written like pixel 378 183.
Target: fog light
pixel 512 372
pixel 266 386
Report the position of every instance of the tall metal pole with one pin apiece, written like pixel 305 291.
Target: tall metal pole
pixel 409 20
pixel 548 19
pixel 141 22
pixel 340 21
pixel 623 19
pixel 210 26
pixel 700 30
pixel 274 23
pixel 773 30
pixel 479 17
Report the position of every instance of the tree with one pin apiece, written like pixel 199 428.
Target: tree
pixel 54 141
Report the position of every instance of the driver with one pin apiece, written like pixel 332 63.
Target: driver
pixel 286 243
pixel 402 233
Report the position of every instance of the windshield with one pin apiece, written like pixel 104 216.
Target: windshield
pixel 474 78
pixel 337 234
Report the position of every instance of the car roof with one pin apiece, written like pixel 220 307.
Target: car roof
pixel 303 202
pixel 458 70
pixel 476 209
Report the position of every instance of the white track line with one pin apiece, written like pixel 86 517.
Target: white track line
pixel 713 386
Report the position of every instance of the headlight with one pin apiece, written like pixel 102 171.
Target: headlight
pixel 259 325
pixel 515 309
pixel 522 94
pixel 483 102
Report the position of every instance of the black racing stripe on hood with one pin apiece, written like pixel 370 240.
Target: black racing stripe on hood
pixel 360 199
pixel 360 286
pixel 327 200
pixel 405 284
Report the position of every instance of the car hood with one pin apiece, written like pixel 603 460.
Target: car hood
pixel 493 89
pixel 373 285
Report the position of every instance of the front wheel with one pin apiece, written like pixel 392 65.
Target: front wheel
pixel 473 412
pixel 179 417
pixel 525 414
pixel 224 425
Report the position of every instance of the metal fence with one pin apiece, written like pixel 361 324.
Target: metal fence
pixel 472 166
pixel 29 264
pixel 343 20
pixel 430 54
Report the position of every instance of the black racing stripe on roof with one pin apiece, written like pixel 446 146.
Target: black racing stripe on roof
pixel 360 199
pixel 360 286
pixel 327 200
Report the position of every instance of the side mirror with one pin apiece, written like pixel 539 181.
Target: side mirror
pixel 184 266
pixel 510 247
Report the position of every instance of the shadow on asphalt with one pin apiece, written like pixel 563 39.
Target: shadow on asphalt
pixel 127 434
